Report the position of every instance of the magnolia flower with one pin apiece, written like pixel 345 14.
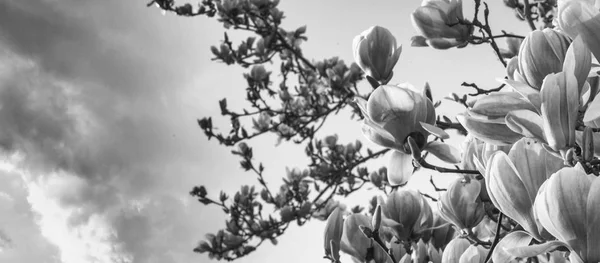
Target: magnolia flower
pixel 376 53
pixel 513 180
pixel 541 53
pixel 568 206
pixel 438 21
pixel 355 243
pixel 402 213
pixel 461 205
pixel 557 104
pixel 392 113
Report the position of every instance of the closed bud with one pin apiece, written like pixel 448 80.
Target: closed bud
pixel 259 73
pixel 375 179
pixel 376 52
pixel 287 214
pixel 376 220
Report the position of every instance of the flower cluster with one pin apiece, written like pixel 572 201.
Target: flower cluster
pixel 528 187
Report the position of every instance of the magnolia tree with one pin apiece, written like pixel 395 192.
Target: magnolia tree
pixel 526 188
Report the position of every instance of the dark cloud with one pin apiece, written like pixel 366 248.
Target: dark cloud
pixel 88 104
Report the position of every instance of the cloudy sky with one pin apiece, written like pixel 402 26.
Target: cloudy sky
pixel 98 140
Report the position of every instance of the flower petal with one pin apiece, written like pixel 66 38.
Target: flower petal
pixel 578 61
pixel 435 131
pixel 494 133
pixel 593 222
pixel 526 123
pixel 444 152
pixel 512 240
pixel 400 168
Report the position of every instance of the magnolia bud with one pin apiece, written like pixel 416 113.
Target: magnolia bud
pixel 375 179
pixel 376 220
pixel 376 53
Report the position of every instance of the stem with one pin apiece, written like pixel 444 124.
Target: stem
pixel 427 165
pixel 527 11
pixel 496 238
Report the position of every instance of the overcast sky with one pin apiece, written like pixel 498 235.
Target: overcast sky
pixel 98 136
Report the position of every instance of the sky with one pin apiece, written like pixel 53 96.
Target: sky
pixel 99 144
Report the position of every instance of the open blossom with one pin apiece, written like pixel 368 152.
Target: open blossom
pixel 376 53
pixel 568 206
pixel 513 180
pixel 438 22
pixel 392 113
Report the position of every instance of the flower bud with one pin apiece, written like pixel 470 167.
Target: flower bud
pixel 287 214
pixel 376 53
pixel 461 205
pixel 439 22
pixel 375 179
pixel 541 53
pixel 376 220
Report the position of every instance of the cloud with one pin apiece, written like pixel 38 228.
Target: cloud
pixel 89 119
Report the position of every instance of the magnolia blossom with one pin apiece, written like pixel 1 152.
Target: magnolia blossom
pixel 392 113
pixel 438 21
pixel 568 206
pixel 402 213
pixel 513 180
pixel 376 53
pixel 541 53
pixel 556 105
pixel 461 205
